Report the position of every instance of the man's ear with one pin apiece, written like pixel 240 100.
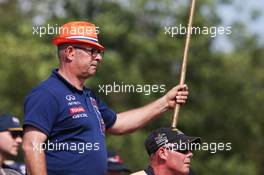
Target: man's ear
pixel 70 52
pixel 162 153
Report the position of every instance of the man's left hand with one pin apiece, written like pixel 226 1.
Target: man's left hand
pixel 178 94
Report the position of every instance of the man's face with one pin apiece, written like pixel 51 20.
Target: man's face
pixel 9 144
pixel 178 162
pixel 86 60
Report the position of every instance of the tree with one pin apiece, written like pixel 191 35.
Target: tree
pixel 225 88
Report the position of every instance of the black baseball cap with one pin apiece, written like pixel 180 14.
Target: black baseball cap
pixel 9 123
pixel 163 136
pixel 115 163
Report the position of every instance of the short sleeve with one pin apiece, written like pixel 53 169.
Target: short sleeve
pixel 40 110
pixel 109 116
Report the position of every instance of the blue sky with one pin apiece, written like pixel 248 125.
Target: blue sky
pixel 241 11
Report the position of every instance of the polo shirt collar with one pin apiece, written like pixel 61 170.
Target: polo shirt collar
pixel 56 74
pixel 149 170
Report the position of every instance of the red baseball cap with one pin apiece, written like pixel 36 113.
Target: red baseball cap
pixel 78 32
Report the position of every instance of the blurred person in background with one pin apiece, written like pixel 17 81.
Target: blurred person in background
pixel 10 142
pixel 115 165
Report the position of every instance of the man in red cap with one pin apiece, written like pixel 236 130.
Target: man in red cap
pixel 65 121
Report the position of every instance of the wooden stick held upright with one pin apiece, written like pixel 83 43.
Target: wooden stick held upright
pixel 184 63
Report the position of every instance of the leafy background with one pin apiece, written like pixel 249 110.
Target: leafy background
pixel 226 86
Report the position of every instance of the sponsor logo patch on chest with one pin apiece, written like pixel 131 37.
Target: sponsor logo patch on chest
pixel 76 110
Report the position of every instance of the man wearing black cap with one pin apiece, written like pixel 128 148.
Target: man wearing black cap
pixel 115 164
pixel 170 152
pixel 10 140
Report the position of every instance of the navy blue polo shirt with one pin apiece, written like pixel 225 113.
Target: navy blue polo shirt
pixel 74 122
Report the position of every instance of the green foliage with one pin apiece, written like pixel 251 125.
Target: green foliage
pixel 226 90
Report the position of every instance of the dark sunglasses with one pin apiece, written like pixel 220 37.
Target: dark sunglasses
pixel 183 151
pixel 16 134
